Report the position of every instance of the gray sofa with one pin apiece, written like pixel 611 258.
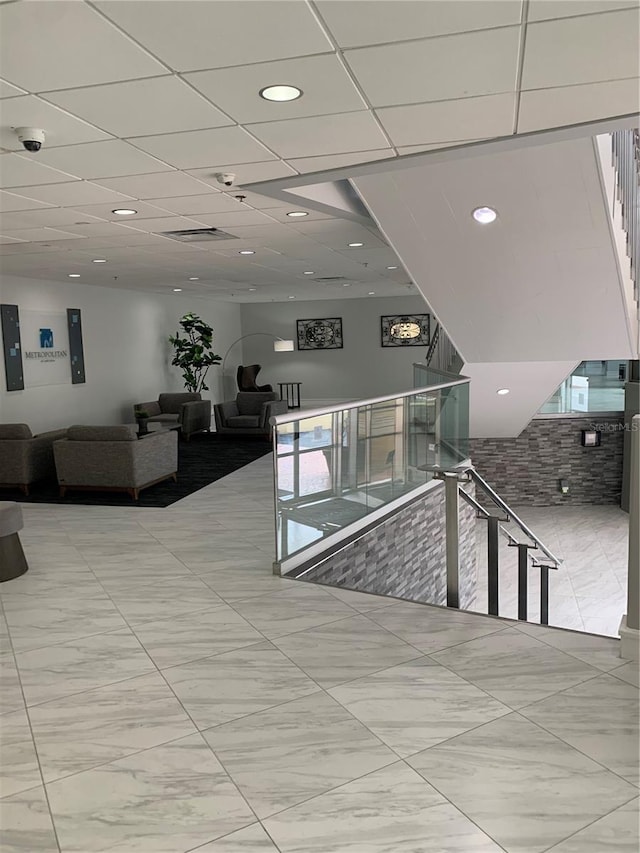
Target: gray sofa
pixel 186 410
pixel 26 458
pixel 249 413
pixel 112 458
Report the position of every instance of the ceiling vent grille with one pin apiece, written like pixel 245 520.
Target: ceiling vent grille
pixel 328 279
pixel 197 235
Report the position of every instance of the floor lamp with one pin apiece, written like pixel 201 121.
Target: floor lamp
pixel 279 345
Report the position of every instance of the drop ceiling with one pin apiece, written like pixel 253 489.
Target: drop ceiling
pixel 144 102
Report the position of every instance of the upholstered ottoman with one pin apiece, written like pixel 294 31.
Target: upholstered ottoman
pixel 13 563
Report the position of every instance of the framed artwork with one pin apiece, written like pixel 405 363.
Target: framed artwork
pixel 409 330
pixel 320 334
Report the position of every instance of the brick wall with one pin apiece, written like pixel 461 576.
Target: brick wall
pixel 526 470
pixel 405 555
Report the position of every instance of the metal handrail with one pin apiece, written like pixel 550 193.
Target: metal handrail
pixel 625 146
pixel 482 511
pixel 303 414
pixel 495 497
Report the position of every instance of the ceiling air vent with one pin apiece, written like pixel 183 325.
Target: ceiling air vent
pixel 328 279
pixel 197 235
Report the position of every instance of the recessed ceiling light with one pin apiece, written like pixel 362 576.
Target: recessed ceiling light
pixel 308 272
pixel 280 92
pixel 177 290
pixel 99 261
pixel 246 252
pixel 372 293
pixel 503 391
pixel 298 213
pixel 194 278
pixel 484 215
pixel 124 211
pixel 74 275
pixel 251 289
pixel 355 245
pixel 392 268
pixel 292 297
pixel 347 284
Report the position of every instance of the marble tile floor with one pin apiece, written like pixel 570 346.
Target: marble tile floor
pixel 589 590
pixel 162 692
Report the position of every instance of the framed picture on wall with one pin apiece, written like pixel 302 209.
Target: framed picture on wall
pixel 407 330
pixel 320 334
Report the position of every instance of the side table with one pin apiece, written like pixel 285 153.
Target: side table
pixel 290 391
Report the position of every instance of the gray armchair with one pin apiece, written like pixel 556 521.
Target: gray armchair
pixel 249 413
pixel 111 458
pixel 26 458
pixel 186 410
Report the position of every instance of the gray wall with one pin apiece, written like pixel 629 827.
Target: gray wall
pixel 526 469
pixel 405 555
pixel 126 350
pixel 361 369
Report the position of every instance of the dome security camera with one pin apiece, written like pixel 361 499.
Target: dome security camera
pixel 226 178
pixel 32 138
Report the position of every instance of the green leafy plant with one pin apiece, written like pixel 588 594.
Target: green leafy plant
pixel 194 352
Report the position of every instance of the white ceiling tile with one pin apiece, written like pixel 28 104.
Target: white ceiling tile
pixel 240 217
pixel 198 148
pixel 213 202
pixel 75 193
pixel 48 218
pixel 40 234
pixel 472 118
pixel 478 63
pixel 160 185
pixel 589 49
pixel 10 201
pixel 49 46
pixel 9 91
pixel 246 173
pixel 336 161
pixel 194 35
pixel 102 160
pixel 19 171
pixel 326 86
pixel 542 108
pixel 100 229
pixel 255 200
pixel 105 211
pixel 26 249
pixel 335 134
pixel 542 10
pixel 141 107
pixel 60 128
pixel 353 24
pixel 168 223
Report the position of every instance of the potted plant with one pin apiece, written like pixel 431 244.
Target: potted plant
pixel 141 420
pixel 194 352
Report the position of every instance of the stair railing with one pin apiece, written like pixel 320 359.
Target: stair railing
pixel 626 160
pixel 454 481
pixel 442 355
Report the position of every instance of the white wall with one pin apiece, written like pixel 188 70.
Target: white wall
pixel 363 368
pixel 127 354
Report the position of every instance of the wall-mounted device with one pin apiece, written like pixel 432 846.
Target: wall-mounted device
pixel 32 138
pixel 591 438
pixel 564 486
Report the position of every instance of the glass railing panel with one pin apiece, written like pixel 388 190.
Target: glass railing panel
pixel 336 466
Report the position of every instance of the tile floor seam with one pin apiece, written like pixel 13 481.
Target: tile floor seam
pixel 556 844
pixel 229 834
pixel 35 751
pixel 577 749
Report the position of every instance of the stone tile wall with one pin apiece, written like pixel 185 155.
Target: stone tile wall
pixel 405 555
pixel 526 470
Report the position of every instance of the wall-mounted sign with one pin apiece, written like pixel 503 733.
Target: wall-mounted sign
pixel 45 348
pixel 12 347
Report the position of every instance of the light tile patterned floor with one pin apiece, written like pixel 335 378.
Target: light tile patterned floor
pixel 162 692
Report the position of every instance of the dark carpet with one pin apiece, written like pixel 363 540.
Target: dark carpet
pixel 204 459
